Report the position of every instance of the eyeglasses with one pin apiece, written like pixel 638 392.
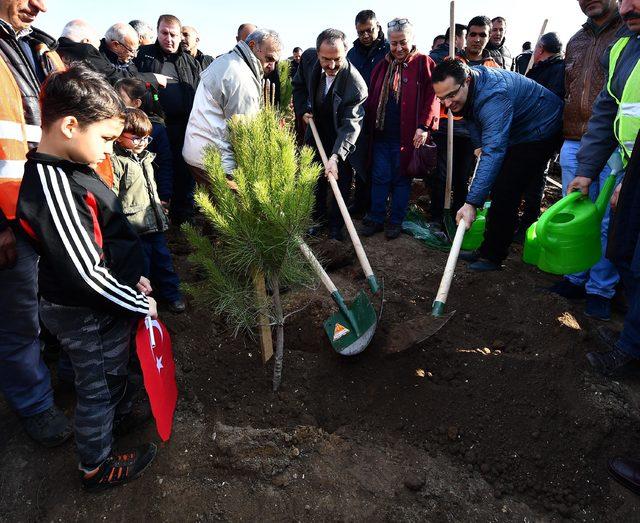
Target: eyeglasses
pixel 400 22
pixel 134 52
pixel 139 140
pixel 366 31
pixel 451 94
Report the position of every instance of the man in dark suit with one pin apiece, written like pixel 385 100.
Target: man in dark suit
pixel 333 94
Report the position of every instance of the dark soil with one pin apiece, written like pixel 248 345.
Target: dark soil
pixel 495 418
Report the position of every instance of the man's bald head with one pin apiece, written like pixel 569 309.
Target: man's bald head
pixel 245 30
pixel 81 32
pixel 190 39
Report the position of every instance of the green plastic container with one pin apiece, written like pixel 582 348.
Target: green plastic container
pixel 474 236
pixel 566 238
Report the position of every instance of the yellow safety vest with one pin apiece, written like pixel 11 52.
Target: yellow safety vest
pixel 13 141
pixel 627 122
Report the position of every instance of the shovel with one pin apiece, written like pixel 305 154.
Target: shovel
pixel 357 244
pixel 351 329
pixel 404 336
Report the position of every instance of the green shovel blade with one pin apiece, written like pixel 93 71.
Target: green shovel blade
pixel 342 334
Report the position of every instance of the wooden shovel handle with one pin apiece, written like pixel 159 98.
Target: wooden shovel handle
pixel 355 239
pixel 449 270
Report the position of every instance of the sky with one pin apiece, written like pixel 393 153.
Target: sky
pixel 300 21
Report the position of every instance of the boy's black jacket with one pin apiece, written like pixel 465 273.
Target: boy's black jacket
pixel 90 256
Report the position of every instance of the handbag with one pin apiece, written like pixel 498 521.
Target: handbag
pixel 425 158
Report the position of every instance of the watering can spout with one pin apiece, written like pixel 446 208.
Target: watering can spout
pixel 605 195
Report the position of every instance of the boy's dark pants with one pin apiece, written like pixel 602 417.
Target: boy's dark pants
pixel 523 163
pixel 158 266
pixel 97 344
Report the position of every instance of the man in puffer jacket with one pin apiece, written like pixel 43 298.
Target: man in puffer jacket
pixel 516 122
pixel 231 85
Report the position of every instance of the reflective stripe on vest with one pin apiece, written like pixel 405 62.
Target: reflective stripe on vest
pixel 13 141
pixel 627 122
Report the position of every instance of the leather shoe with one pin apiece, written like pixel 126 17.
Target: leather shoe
pixel 483 265
pixel 568 290
pixel 177 306
pixel 626 472
pixel 610 363
pixel 469 256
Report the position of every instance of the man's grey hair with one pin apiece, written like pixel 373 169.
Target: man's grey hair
pixel 79 30
pixel 143 29
pixel 406 27
pixel 118 31
pixel 331 36
pixel 261 34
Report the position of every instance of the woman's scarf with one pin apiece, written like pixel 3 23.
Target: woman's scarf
pixel 392 83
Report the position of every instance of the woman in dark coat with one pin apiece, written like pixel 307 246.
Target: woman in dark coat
pixel 402 110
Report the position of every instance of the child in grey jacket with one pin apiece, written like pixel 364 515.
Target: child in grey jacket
pixel 134 183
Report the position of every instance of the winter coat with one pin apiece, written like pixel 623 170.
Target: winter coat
pixel 585 74
pixel 623 245
pixel 151 58
pixel 20 88
pixel 365 59
pixel 521 62
pixel 504 109
pixel 28 80
pixel 203 59
pixel 599 142
pixel 135 185
pixel 348 95
pixel 231 85
pixel 550 74
pixel 501 54
pixel 103 61
pixel 89 254
pixel 163 164
pixel 416 83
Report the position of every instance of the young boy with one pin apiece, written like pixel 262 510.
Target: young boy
pixel 91 264
pixel 135 185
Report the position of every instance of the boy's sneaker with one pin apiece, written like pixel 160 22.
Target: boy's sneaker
pixel 369 227
pixel 120 468
pixel 598 308
pixel 49 428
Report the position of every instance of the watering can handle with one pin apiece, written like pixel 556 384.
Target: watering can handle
pixel 605 195
pixel 552 211
pixel 357 244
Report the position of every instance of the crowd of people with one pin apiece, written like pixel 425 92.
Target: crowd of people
pixel 101 147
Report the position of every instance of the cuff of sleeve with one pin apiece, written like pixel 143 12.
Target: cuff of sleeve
pixel 475 200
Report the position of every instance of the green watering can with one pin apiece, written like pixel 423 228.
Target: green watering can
pixel 474 236
pixel 566 238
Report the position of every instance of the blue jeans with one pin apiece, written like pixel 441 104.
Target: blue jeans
pixel 24 378
pixel 603 277
pixel 386 181
pixel 158 266
pixel 629 340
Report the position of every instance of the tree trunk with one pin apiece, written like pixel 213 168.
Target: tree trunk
pixel 277 305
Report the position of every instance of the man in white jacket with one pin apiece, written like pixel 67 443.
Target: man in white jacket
pixel 231 85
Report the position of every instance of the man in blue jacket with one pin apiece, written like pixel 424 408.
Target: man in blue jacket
pixel 367 51
pixel 516 122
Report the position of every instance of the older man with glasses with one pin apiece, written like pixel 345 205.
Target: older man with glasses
pixel 517 123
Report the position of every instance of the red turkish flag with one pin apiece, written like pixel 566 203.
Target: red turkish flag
pixel 153 345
